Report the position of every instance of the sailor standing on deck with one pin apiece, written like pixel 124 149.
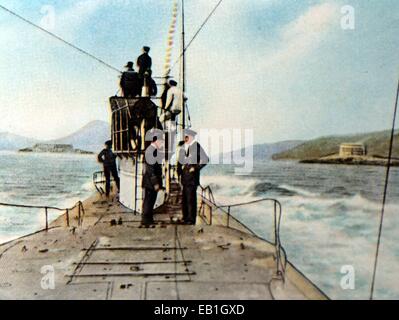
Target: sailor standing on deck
pixel 152 176
pixel 174 98
pixel 194 160
pixel 107 158
pixel 149 88
pixel 171 104
pixel 130 82
pixel 144 62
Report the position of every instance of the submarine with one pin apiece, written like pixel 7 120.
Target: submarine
pixel 98 250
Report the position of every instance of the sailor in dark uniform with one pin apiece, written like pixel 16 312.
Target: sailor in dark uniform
pixel 144 62
pixel 107 158
pixel 130 82
pixel 181 152
pixel 150 84
pixel 193 161
pixel 152 178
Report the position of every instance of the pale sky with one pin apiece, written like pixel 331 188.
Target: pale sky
pixel 285 69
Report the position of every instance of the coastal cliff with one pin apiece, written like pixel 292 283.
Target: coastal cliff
pixel 327 150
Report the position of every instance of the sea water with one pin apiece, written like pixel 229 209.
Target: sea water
pixel 330 213
pixel 41 179
pixel 330 220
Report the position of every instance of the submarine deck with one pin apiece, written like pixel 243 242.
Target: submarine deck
pixel 112 257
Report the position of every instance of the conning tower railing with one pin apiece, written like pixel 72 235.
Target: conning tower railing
pixel 209 209
pixel 128 116
pixel 131 119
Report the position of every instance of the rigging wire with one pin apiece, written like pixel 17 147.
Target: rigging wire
pixel 385 194
pixel 60 39
pixel 88 54
pixel 197 33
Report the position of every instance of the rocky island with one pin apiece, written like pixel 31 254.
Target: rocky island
pixel 359 149
pixel 54 148
pixel 355 160
pixel 353 154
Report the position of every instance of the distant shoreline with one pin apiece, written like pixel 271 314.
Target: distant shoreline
pixel 54 148
pixel 80 152
pixel 17 152
pixel 354 161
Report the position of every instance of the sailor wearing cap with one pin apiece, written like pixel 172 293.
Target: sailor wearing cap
pixel 144 62
pixel 192 161
pixel 130 82
pixel 174 98
pixel 149 85
pixel 107 158
pixel 171 105
pixel 152 174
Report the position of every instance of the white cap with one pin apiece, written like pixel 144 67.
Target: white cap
pixel 189 132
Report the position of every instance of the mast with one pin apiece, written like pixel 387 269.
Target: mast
pixel 183 65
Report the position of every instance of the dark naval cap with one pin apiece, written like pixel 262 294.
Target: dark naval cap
pixel 146 49
pixel 129 64
pixel 189 132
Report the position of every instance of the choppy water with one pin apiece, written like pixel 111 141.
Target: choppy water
pixel 40 179
pixel 330 213
pixel 330 219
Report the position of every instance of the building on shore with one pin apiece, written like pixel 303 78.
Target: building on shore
pixel 49 147
pixel 352 149
pixel 54 148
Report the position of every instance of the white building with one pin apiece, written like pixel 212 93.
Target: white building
pixel 352 149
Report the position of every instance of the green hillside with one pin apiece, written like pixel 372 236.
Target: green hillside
pixel 377 144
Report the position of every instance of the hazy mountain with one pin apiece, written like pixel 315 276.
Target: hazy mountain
pixel 377 143
pixel 90 138
pixel 9 141
pixel 265 151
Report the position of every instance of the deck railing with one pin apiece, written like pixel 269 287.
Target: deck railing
pixel 99 181
pixel 209 209
pixel 47 209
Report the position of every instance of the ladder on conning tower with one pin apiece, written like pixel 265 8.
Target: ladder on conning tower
pixel 131 119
